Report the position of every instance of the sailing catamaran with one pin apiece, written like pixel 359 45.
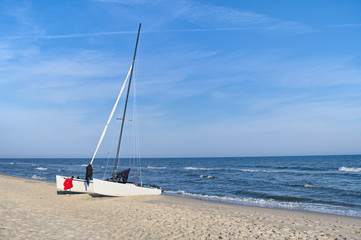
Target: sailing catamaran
pixel 117 185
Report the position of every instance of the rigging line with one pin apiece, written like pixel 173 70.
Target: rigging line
pixel 136 130
pixel 126 102
pixel 111 114
pixel 134 127
pixel 132 159
pixel 106 166
pixel 139 162
pixel 131 156
pixel 138 141
pixel 111 146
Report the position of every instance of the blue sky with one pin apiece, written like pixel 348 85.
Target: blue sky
pixel 214 78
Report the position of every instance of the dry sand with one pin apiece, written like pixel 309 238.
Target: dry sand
pixel 32 209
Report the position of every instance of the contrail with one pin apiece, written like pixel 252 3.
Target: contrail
pixel 85 35
pixel 77 35
pixel 201 30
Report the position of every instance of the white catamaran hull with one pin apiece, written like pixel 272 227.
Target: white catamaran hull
pixel 108 188
pixel 79 185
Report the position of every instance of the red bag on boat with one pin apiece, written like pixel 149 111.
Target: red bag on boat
pixel 68 183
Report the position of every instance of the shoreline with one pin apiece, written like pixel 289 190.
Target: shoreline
pixel 263 207
pixel 216 201
pixel 33 209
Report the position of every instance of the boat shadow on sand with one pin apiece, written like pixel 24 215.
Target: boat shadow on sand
pixel 93 195
pixel 69 193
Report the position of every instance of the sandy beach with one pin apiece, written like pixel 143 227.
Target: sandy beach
pixel 31 209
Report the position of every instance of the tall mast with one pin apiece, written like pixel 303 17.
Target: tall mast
pixel 126 103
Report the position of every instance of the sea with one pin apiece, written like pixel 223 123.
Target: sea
pixel 325 184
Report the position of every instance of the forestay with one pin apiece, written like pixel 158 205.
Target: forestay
pixel 112 113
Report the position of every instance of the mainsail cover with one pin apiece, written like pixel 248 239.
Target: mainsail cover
pixel 111 114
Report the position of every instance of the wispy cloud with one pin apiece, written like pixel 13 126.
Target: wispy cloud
pixel 258 86
pixel 215 16
pixel 218 18
pixel 40 77
pixel 204 17
pixel 21 14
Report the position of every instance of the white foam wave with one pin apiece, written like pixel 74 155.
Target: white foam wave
pixel 206 176
pixel 271 203
pixel 41 168
pixel 310 186
pixel 245 201
pixel 12 163
pixel 179 192
pixel 84 165
pixel 38 177
pixel 251 170
pixel 230 169
pixel 348 169
pixel 193 168
pixel 150 167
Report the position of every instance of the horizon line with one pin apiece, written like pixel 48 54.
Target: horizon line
pixel 258 156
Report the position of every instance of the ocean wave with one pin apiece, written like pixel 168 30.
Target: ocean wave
pixel 36 177
pixel 310 186
pixel 84 165
pixel 206 176
pixel 348 169
pixel 203 169
pixel 41 168
pixel 231 169
pixel 245 201
pixel 286 171
pixel 300 168
pixel 12 163
pixel 271 203
pixel 150 167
